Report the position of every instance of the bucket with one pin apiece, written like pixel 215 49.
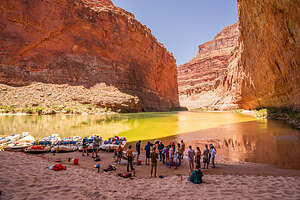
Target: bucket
pixel 139 162
pixel 76 161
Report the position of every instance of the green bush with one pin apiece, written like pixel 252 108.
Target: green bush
pixel 7 109
pixel 262 113
pixel 39 110
pixel 90 107
pixel 68 110
pixel 27 110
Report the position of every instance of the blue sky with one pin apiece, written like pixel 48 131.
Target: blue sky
pixel 181 25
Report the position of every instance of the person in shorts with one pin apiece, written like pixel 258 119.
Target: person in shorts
pixel 96 144
pixel 191 158
pixel 85 146
pixel 129 154
pixel 147 149
pixel 180 152
pixel 205 157
pixel 154 157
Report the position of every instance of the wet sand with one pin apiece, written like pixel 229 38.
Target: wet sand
pixel 24 176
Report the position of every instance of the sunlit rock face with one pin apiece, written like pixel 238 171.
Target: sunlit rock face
pixel 262 68
pixel 200 79
pixel 97 52
pixel 270 53
pixel 98 3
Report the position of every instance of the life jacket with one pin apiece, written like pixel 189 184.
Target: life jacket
pixel 58 167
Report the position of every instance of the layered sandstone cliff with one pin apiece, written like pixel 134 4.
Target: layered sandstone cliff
pixel 199 80
pixel 89 50
pixel 270 54
pixel 262 69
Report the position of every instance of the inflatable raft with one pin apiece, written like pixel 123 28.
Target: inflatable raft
pixel 113 143
pixel 36 149
pixel 21 144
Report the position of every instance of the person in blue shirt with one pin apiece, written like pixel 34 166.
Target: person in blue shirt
pixel 148 149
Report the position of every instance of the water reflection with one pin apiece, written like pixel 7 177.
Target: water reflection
pixel 269 142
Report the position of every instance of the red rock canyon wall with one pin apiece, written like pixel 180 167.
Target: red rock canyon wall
pixel 96 52
pixel 260 70
pixel 270 53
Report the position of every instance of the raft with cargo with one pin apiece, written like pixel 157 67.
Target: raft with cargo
pixel 26 143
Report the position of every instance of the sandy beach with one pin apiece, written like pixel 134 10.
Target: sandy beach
pixel 24 176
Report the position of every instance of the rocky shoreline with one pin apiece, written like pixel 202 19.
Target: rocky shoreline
pixel 41 98
pixel 52 110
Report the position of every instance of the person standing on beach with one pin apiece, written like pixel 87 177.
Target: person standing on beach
pixel 191 158
pixel 209 155
pixel 129 155
pixel 198 158
pixel 147 149
pixel 119 154
pixel 182 149
pixel 154 157
pixel 96 143
pixel 176 159
pixel 167 154
pixel 163 155
pixel 205 157
pixel 85 146
pixel 179 151
pixel 213 155
pixel 171 156
pixel 160 149
pixel 138 149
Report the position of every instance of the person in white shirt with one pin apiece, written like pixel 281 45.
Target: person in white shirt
pixel 171 156
pixel 213 155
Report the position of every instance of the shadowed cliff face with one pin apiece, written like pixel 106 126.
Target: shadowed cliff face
pixel 85 43
pixel 270 53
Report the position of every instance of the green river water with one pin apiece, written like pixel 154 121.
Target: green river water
pixel 237 136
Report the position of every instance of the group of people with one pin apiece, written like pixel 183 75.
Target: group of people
pixel 209 154
pixel 171 155
pixel 96 141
